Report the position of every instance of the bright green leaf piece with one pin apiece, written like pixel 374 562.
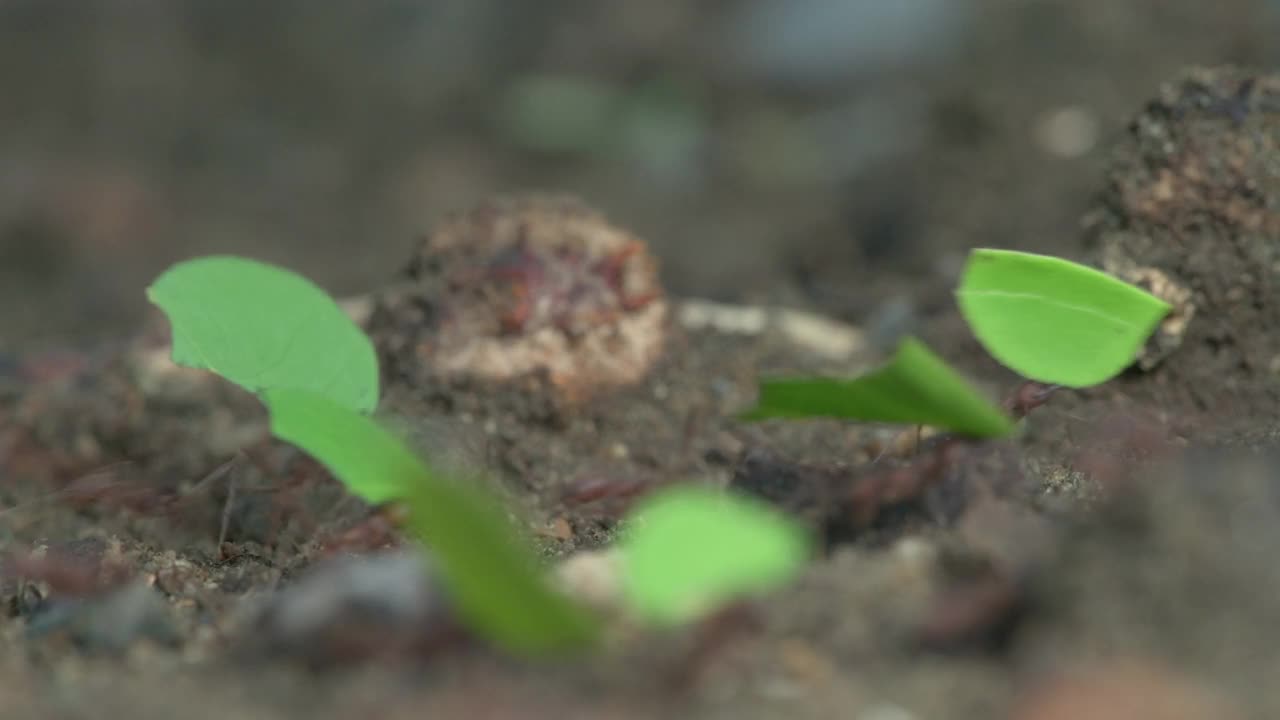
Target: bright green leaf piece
pixel 492 577
pixel 372 463
pixel 690 549
pixel 263 327
pixel 1053 320
pixel 916 387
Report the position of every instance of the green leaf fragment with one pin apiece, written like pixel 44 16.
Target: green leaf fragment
pixel 491 575
pixel 916 387
pixel 372 463
pixel 1053 320
pixel 690 549
pixel 263 327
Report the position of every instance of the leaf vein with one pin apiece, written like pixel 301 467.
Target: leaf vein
pixel 1057 303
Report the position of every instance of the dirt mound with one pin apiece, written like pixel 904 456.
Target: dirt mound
pixel 1191 210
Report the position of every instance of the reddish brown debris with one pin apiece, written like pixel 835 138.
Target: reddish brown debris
pixel 609 497
pixel 1029 396
pixel 379 531
pixel 711 637
pixel 980 612
pixel 51 366
pixel 844 502
pixel 107 490
pixel 1122 690
pixel 526 286
pixel 895 486
pixel 63 572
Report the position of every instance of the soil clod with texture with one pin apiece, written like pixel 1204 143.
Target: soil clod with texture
pixel 1191 211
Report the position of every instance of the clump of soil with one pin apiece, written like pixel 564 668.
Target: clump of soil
pixel 1192 211
pixel 525 286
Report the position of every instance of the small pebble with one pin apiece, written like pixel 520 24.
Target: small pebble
pixel 594 577
pixel 1068 132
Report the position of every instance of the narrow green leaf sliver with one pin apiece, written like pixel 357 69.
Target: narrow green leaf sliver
pixel 1053 320
pixel 374 465
pixel 264 327
pixel 916 387
pixel 492 576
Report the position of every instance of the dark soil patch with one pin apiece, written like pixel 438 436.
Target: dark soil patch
pixel 1194 195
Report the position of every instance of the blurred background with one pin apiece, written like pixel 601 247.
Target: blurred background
pixel 839 155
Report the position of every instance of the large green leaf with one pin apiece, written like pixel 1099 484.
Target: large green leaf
pixel 916 387
pixel 1053 320
pixel 689 549
pixel 264 327
pixel 491 575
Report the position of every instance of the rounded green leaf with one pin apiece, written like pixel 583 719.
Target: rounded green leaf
pixel 491 576
pixel 1053 320
pixel 263 327
pixel 690 549
pixel 916 387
